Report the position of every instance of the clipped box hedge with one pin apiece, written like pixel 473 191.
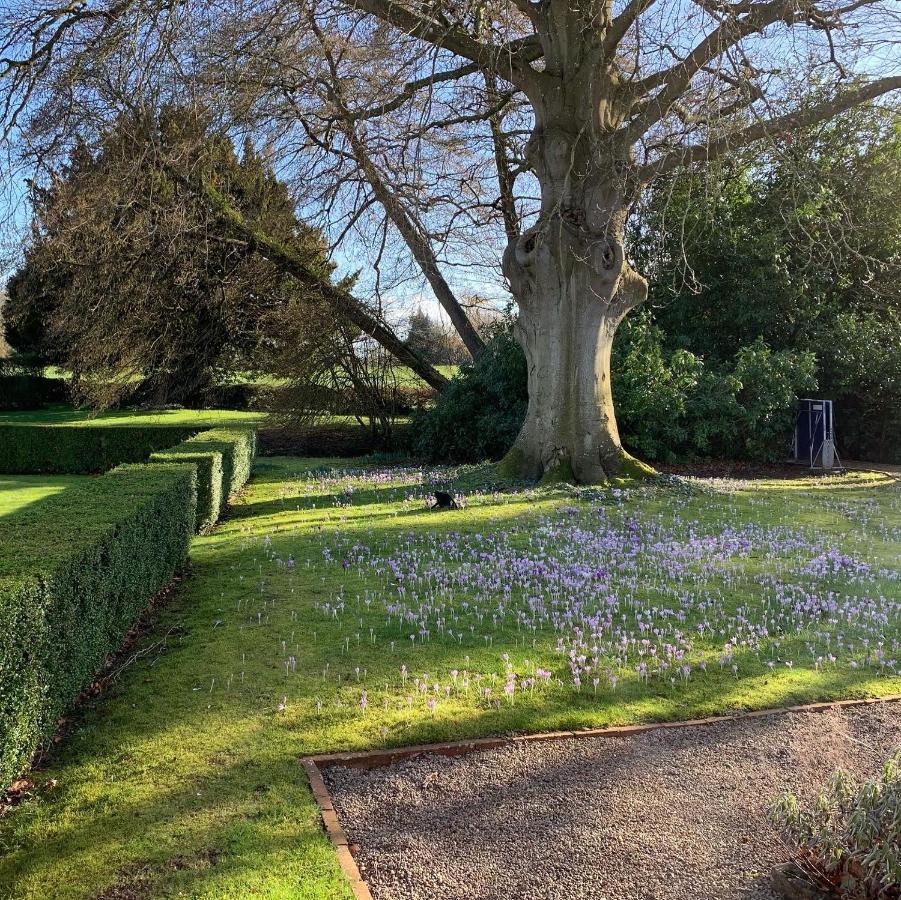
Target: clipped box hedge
pixel 22 390
pixel 223 457
pixel 76 571
pixel 238 446
pixel 208 461
pixel 81 449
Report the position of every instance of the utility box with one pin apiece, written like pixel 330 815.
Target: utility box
pixel 814 443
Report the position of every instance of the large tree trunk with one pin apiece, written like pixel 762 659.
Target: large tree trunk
pixel 573 286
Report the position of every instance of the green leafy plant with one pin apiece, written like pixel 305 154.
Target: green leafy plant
pixel 479 414
pixel 848 840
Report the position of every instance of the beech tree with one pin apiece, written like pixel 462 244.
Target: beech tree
pixel 452 118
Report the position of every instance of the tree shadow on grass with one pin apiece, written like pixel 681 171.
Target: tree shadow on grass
pixel 126 803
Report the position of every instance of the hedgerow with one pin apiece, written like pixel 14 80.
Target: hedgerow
pixel 208 460
pixel 76 570
pixel 237 446
pixel 223 458
pixel 81 450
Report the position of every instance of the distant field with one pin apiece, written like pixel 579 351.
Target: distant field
pixel 408 378
pixel 405 376
pixel 18 491
pixel 65 415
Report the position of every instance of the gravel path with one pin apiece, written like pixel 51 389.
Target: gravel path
pixel 669 815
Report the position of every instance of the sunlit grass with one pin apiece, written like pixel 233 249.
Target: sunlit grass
pixel 183 779
pixel 18 491
pixel 66 415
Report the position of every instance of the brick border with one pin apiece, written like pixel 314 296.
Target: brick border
pixel 336 834
pixel 371 759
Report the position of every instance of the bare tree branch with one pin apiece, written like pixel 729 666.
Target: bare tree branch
pixel 623 22
pixel 510 61
pixel 773 127
pixel 344 302
pixel 411 88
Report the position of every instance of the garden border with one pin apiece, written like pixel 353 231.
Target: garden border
pixel 372 759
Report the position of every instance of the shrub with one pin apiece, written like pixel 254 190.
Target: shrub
pixel 669 404
pixel 770 383
pixel 848 840
pixel 860 365
pixel 480 412
pixel 76 570
pixel 208 460
pixel 672 404
pixel 23 385
pixel 81 449
pixel 237 446
pixel 25 391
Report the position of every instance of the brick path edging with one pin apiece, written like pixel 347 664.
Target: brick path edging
pixel 371 759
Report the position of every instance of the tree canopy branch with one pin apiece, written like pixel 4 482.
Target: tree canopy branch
pixel 623 22
pixel 739 20
pixel 343 301
pixel 510 61
pixel 411 88
pixel 776 125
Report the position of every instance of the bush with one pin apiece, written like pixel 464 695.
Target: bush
pixel 860 365
pixel 770 383
pixel 208 461
pixel 237 446
pixel 848 841
pixel 76 571
pixel 23 385
pixel 480 412
pixel 223 457
pixel 672 404
pixel 81 449
pixel 668 404
pixel 238 396
pixel 25 391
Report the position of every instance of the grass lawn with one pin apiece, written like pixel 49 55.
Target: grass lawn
pixel 333 611
pixel 66 415
pixel 405 377
pixel 17 491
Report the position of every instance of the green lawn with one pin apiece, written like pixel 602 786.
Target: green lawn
pixel 405 377
pixel 333 611
pixel 65 415
pixel 17 491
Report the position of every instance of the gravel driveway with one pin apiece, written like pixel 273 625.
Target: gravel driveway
pixel 675 814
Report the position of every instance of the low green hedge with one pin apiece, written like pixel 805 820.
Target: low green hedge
pixel 81 449
pixel 237 446
pixel 209 463
pixel 26 391
pixel 76 570
pixel 223 457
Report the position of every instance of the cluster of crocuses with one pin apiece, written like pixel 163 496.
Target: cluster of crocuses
pixel 615 587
